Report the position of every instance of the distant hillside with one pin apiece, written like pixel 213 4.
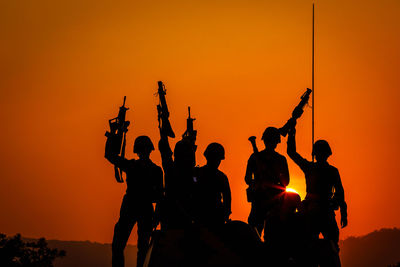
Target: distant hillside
pixel 377 249
pixel 88 254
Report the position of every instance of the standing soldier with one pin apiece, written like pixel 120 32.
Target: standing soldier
pixel 179 182
pixel 213 194
pixel 267 172
pixel 179 167
pixel 144 187
pixel 324 191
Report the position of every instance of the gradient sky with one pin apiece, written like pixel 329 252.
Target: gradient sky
pixel 241 66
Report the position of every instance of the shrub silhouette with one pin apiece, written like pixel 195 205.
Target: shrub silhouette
pixel 14 252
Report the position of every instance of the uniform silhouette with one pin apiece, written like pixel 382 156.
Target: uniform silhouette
pixel 284 241
pixel 213 194
pixel 179 172
pixel 144 187
pixel 267 171
pixel 324 191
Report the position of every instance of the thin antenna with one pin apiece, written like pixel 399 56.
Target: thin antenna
pixel 312 80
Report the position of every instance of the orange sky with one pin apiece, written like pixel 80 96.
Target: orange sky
pixel 241 65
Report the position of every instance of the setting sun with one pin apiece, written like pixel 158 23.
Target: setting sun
pixel 288 189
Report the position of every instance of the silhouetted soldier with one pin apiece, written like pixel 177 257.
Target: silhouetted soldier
pixel 324 191
pixel 144 187
pixel 179 181
pixel 267 171
pixel 213 194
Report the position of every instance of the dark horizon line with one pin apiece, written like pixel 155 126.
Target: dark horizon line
pixel 99 243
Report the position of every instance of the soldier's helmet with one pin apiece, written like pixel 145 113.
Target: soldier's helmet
pixel 185 153
pixel 271 135
pixel 214 150
pixel 142 143
pixel 184 148
pixel 321 147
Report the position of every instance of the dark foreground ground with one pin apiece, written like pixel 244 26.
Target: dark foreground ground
pixel 377 249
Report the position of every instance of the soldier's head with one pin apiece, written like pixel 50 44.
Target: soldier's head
pixel 214 153
pixel 185 154
pixel 271 137
pixel 143 146
pixel 321 150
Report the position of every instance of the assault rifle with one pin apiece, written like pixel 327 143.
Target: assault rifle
pixel 117 137
pixel 163 114
pixel 190 133
pixel 297 112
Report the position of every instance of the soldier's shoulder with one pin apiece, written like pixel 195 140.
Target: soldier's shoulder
pixel 131 161
pixel 201 170
pixel 253 156
pixel 333 168
pixel 155 166
pixel 279 156
pixel 198 168
pixel 222 174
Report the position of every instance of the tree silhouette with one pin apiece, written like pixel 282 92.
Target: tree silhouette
pixel 14 252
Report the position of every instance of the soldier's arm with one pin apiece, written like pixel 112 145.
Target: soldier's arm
pixel 339 198
pixel 226 197
pixel 113 158
pixel 166 153
pixel 159 193
pixel 291 150
pixel 159 185
pixel 248 178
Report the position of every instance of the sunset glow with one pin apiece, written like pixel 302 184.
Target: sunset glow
pixel 291 190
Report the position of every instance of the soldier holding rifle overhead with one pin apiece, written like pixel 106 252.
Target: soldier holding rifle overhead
pixel 179 170
pixel 144 182
pixel 324 191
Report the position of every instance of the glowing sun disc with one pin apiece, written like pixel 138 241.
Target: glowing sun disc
pixel 291 190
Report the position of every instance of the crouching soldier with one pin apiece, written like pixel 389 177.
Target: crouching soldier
pixel 213 194
pixel 144 187
pixel 324 192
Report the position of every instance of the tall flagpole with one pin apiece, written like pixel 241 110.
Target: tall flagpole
pixel 312 78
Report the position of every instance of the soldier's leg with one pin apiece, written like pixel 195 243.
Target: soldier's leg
pixel 256 217
pixel 310 224
pixel 122 230
pixel 145 228
pixel 330 231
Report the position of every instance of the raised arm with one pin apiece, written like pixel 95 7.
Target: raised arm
pixel 159 185
pixel 112 156
pixel 166 153
pixel 291 150
pixel 158 195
